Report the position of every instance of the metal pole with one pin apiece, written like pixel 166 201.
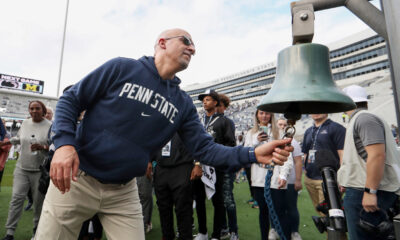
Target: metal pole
pixel 391 10
pixel 62 50
pixel 369 14
pixel 321 4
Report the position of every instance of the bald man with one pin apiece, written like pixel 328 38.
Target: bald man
pixel 133 108
pixel 49 114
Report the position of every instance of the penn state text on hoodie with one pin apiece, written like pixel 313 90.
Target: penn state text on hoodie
pixel 130 113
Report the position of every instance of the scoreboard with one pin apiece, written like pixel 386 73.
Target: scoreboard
pixel 21 83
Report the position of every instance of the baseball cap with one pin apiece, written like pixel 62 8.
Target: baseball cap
pixel 211 93
pixel 356 93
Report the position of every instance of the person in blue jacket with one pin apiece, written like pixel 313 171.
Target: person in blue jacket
pixel 133 108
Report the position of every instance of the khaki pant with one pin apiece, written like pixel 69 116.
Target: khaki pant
pixel 314 188
pixel 117 206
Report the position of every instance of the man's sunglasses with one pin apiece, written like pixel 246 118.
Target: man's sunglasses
pixel 187 41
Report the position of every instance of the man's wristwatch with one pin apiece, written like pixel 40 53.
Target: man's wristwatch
pixel 372 191
pixel 197 164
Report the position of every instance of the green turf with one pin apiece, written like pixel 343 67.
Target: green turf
pixel 247 216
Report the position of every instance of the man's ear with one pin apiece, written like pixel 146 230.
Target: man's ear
pixel 161 43
pixel 216 103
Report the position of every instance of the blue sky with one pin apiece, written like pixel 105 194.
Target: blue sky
pixel 230 36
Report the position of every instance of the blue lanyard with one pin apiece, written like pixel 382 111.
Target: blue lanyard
pixel 314 138
pixel 209 121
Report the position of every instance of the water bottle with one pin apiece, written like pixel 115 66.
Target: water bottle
pixel 33 141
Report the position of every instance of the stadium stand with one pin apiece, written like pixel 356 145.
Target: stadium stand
pixel 14 103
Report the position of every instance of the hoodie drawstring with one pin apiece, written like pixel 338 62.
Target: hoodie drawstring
pixel 168 91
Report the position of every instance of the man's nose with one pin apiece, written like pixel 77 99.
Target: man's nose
pixel 192 49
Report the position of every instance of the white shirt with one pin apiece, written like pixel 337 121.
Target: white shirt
pixel 296 153
pixel 258 173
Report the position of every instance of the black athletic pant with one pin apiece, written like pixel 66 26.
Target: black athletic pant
pixel 248 176
pixel 172 186
pixel 29 195
pixel 263 216
pixel 218 203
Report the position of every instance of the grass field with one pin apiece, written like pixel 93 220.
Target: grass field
pixel 247 216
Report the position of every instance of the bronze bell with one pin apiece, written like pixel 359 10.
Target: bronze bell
pixel 304 84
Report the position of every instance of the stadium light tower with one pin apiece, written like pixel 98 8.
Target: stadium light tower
pixel 62 50
pixel 386 23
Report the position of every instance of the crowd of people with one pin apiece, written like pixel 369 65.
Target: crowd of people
pixel 33 140
pixel 127 128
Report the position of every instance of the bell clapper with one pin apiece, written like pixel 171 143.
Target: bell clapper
pixel 290 130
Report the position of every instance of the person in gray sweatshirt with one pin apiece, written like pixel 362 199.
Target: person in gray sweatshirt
pixel 32 137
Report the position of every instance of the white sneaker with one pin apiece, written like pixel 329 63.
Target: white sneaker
pixel 149 227
pixel 273 235
pixel 225 233
pixel 201 236
pixel 296 236
pixel 234 236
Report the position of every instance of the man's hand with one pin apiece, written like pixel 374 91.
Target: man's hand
pixel 370 202
pixel 197 172
pixel 282 183
pixel 297 185
pixel 271 152
pixel 64 161
pixel 149 171
pixel 4 143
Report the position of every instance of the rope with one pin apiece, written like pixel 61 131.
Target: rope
pixel 268 199
pixel 290 130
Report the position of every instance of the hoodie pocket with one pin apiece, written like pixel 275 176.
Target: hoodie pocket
pixel 114 157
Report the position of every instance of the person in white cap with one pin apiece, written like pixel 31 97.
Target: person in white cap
pixel 370 166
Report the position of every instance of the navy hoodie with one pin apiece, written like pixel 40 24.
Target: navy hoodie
pixel 130 113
